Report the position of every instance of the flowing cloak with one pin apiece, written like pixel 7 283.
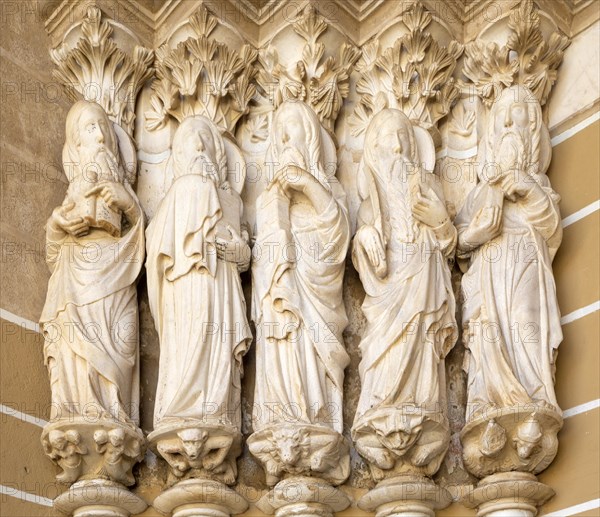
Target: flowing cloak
pixel 90 322
pixel 410 312
pixel 198 308
pixel 511 317
pixel 299 313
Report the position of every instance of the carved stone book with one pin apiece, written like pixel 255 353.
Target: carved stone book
pixel 98 214
pixel 275 210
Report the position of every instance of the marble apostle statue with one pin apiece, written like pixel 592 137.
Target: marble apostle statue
pixel 297 272
pixel 401 250
pixel 95 251
pixel 196 250
pixel 509 230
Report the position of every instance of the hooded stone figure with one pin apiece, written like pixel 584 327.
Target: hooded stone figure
pixel 194 287
pixel 297 273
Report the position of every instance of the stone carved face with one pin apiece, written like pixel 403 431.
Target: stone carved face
pixel 192 442
pixel 91 144
pixel 510 112
pixel 57 439
pixel 197 149
pixel 514 134
pixel 95 130
pixel 290 137
pixel 390 144
pixel 399 440
pixel 527 440
pixel 290 444
pixel 393 142
pixel 296 139
pixel 117 437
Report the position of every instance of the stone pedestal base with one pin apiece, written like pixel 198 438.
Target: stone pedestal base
pixel 405 496
pixel 303 497
pixel 508 494
pixel 99 498
pixel 200 498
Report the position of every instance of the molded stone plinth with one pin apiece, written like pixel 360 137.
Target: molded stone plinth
pixel 303 497
pixel 200 498
pixel 99 498
pixel 405 496
pixel 514 494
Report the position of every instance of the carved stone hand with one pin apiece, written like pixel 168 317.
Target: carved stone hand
pixel 516 184
pixel 429 209
pixel 370 240
pixel 60 222
pixel 485 226
pixel 235 249
pixel 115 195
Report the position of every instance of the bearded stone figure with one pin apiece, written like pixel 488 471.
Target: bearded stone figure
pixel 509 230
pixel 196 250
pixel 297 272
pixel 95 251
pixel 401 250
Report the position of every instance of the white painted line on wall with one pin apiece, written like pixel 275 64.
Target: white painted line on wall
pixel 582 408
pixel 575 129
pixel 580 214
pixel 580 313
pixel 25 496
pixel 17 320
pixel 30 419
pixel 574 510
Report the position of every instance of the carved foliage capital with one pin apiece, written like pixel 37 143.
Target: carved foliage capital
pixel 202 76
pixel 415 75
pixel 97 70
pixel 528 58
pixel 319 80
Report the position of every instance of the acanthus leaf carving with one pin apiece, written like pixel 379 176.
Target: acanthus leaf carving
pixel 202 76
pixel 527 59
pixel 414 75
pixel 97 70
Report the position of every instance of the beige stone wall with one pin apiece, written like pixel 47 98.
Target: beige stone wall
pixel 33 111
pixel 32 114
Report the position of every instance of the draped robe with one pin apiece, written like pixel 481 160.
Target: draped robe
pixel 410 312
pixel 198 306
pixel 299 313
pixel 90 322
pixel 511 315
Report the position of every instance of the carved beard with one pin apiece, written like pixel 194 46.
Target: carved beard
pixel 202 165
pixel 293 156
pixel 99 164
pixel 510 151
pixel 409 174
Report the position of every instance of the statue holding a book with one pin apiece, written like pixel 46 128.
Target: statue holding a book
pixel 95 251
pixel 298 269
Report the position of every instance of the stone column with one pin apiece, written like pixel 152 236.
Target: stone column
pixel 299 312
